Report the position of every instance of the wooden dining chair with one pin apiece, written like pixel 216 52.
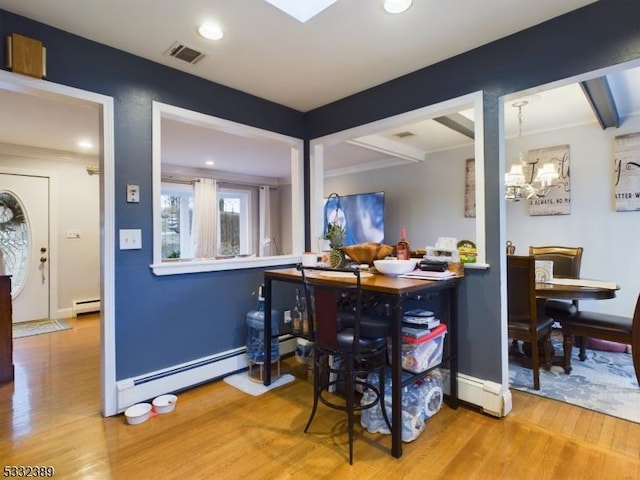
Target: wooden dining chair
pixel 525 321
pixel 566 263
pixel 615 328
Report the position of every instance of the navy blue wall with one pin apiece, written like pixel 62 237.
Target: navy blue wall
pixel 162 321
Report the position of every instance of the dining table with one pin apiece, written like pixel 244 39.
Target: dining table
pixel 397 290
pixel 576 289
pixel 559 288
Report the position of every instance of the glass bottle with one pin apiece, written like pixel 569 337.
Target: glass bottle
pixel 403 248
pixel 298 316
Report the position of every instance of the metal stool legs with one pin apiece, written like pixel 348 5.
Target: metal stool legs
pixel 349 374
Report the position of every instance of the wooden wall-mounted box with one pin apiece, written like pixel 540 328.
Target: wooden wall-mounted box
pixel 26 56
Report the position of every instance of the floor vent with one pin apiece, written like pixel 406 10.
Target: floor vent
pixel 182 52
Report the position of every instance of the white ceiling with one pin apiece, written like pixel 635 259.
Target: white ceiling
pixel 348 47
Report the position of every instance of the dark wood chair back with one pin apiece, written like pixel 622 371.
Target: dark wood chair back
pixel 521 289
pixel 635 329
pixel 566 260
pixel 635 340
pixel 525 322
pixel 566 263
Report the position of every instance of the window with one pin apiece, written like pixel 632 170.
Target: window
pixel 176 204
pixel 14 239
pixel 235 232
pixel 235 235
pixel 266 230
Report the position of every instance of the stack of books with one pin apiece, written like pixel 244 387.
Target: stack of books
pixel 418 323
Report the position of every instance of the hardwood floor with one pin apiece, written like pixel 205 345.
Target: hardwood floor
pixel 50 417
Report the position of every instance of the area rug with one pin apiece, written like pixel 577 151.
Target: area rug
pixel 605 382
pixel 39 327
pixel 241 382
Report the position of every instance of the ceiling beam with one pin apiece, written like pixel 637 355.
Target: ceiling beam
pixel 378 143
pixel 459 123
pixel 601 100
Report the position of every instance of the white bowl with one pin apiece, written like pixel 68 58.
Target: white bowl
pixel 138 413
pixel 394 266
pixel 164 403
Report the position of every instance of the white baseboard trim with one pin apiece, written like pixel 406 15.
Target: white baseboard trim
pixel 489 396
pixel 180 377
pixel 64 313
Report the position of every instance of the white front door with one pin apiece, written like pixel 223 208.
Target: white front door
pixel 24 243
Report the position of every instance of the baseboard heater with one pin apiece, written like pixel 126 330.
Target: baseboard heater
pixel 180 377
pixel 85 306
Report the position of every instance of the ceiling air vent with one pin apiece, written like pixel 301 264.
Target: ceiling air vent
pixel 404 134
pixel 182 52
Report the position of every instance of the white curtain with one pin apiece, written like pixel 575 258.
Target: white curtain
pixel 205 218
pixel 267 244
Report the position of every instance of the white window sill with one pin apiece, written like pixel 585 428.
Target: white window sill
pixel 178 267
pixel 476 266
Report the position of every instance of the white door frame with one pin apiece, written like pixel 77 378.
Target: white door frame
pixel 46 89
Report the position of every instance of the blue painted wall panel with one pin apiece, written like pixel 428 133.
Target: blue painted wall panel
pixel 201 313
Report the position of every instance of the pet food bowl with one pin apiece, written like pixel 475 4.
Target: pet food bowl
pixel 395 267
pixel 138 413
pixel 164 403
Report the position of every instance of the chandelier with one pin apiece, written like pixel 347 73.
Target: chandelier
pixel 516 186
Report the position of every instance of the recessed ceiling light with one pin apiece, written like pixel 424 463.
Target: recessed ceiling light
pixel 211 31
pixel 210 163
pixel 396 6
pixel 85 144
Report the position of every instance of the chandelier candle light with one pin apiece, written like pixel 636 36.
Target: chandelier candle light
pixel 516 186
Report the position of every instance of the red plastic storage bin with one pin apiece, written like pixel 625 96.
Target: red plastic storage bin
pixel 423 353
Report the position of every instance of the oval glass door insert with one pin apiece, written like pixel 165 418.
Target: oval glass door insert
pixel 14 239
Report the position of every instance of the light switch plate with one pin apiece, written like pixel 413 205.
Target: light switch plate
pixel 130 239
pixel 133 193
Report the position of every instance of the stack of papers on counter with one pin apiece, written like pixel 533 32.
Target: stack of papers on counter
pixel 427 275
